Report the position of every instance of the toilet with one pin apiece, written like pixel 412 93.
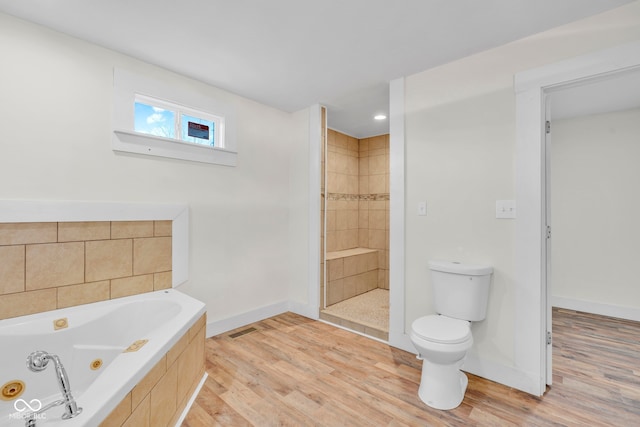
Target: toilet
pixel 460 292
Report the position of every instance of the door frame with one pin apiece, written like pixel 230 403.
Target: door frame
pixel 532 304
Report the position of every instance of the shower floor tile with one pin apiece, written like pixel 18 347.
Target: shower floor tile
pixel 367 313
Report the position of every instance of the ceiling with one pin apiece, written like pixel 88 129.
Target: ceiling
pixel 290 54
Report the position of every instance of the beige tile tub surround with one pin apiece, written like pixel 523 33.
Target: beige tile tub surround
pixel 44 266
pixel 160 397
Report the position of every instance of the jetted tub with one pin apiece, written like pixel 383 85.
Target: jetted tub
pixel 102 348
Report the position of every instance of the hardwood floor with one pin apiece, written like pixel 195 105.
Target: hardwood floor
pixel 293 371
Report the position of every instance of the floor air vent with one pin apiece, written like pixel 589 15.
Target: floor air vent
pixel 242 332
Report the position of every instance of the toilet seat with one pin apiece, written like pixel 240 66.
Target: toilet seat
pixel 442 329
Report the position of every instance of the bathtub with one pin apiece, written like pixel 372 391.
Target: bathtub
pixel 105 347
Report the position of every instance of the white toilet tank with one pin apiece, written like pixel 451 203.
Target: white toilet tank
pixel 460 290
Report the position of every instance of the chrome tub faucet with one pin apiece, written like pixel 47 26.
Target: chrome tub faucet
pixel 37 362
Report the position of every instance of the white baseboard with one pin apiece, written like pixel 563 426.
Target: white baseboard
pixel 401 341
pixel 218 327
pixel 305 310
pixel 502 374
pixel 628 313
pixel 191 400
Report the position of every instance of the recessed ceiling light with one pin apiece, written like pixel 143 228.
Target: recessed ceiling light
pixel 379 117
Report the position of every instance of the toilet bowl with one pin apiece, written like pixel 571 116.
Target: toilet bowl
pixel 442 344
pixel 442 340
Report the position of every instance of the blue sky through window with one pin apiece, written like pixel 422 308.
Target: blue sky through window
pixel 154 121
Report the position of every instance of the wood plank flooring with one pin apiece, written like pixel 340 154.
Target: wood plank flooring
pixel 293 371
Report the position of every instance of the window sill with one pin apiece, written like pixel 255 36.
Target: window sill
pixel 133 142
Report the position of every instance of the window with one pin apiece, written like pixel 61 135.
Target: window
pixel 170 123
pixel 160 118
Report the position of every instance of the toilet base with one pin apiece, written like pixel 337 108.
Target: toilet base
pixel 442 386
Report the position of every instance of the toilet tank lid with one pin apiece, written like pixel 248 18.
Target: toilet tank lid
pixel 459 268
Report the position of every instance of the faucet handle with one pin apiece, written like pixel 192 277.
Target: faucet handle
pixel 37 361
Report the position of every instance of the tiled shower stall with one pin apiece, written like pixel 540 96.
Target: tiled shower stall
pixel 356 194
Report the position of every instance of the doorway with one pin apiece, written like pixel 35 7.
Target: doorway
pixel 592 176
pixel 533 296
pixel 355 232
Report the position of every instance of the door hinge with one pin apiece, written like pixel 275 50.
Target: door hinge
pixel 548 231
pixel 548 337
pixel 547 126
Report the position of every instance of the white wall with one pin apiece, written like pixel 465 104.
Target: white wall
pixel 596 209
pixel 55 144
pixel 460 142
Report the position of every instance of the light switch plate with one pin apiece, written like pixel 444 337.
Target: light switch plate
pixel 505 209
pixel 422 208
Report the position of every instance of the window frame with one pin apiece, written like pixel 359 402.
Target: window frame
pixel 130 87
pixel 179 111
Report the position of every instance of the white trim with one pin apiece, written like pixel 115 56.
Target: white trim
pixel 217 327
pixel 139 143
pixel 315 153
pixel 20 211
pixel 192 399
pixel 530 260
pixel 398 337
pixel 620 312
pixel 497 372
pixel 127 85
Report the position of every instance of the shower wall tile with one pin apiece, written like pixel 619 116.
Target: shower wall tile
pixel 335 269
pixel 350 266
pixel 335 290
pixel 377 220
pixel 332 241
pixel 357 209
pixel 378 165
pixel 377 239
pixel 350 287
pixel 377 184
pixel 363 184
pixel 363 238
pixel 332 224
pixel 341 220
pixel 332 163
pixel 352 219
